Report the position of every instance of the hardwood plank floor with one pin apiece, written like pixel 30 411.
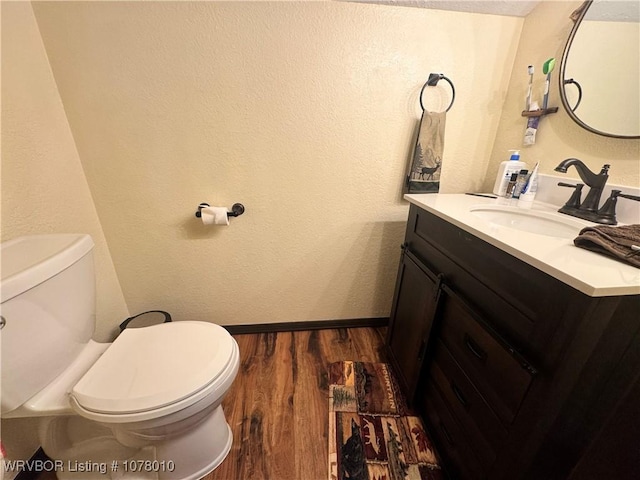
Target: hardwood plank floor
pixel 278 405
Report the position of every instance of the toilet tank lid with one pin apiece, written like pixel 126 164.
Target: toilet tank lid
pixel 30 260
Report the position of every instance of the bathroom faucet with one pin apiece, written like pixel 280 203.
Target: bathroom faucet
pixel 596 182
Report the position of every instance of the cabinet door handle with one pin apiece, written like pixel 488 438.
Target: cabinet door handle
pixel 474 348
pixel 423 347
pixel 456 391
pixel 446 433
pixel 437 288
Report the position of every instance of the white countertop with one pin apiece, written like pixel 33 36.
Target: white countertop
pixel 591 273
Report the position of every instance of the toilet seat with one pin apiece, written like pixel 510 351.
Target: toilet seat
pixel 152 371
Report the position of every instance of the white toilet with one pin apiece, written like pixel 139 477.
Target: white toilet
pixel 153 395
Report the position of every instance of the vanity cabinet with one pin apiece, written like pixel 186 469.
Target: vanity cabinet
pixel 514 371
pixel 417 291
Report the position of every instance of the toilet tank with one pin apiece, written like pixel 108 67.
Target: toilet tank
pixel 48 303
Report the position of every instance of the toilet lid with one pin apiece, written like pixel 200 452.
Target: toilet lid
pixel 151 367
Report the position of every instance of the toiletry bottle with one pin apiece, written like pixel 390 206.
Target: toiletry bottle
pixel 529 191
pixel 506 169
pixel 511 185
pixel 523 176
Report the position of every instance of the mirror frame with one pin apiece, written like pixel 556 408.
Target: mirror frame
pixel 577 17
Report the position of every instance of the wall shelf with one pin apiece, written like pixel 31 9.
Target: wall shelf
pixel 539 112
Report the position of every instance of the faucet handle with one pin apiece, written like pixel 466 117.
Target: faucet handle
pixel 572 185
pixel 608 211
pixel 630 197
pixel 574 201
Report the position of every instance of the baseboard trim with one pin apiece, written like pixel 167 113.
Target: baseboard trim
pixel 313 325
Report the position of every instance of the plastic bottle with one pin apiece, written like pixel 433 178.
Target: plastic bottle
pixel 529 191
pixel 506 169
pixel 523 177
pixel 511 185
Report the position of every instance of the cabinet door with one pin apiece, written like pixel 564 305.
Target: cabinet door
pixel 416 296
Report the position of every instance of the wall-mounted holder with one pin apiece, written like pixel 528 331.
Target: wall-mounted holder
pixel 540 112
pixel 236 210
pixel 432 81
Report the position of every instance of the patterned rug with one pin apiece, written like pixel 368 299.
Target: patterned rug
pixel 372 433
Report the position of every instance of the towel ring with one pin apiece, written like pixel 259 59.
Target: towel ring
pixel 433 80
pixel 571 81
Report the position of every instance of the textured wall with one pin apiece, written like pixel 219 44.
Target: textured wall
pixel 544 35
pixel 303 111
pixel 43 186
pixel 44 189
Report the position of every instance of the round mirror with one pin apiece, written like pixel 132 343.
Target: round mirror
pixel 600 68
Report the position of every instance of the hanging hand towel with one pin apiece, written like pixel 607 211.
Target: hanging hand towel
pixel 426 165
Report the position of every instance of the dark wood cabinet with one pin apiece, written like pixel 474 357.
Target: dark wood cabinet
pixel 515 372
pixel 416 296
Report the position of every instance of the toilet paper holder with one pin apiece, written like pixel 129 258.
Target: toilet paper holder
pixel 237 209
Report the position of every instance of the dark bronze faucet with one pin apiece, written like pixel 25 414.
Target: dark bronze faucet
pixel 588 209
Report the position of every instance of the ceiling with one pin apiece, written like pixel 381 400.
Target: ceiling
pixel 514 8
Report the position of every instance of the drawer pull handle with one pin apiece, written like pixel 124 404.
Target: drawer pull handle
pixel 456 391
pixel 446 433
pixel 478 352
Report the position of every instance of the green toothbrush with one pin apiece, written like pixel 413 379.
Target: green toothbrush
pixel 547 68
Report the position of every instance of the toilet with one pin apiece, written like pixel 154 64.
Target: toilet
pixel 149 403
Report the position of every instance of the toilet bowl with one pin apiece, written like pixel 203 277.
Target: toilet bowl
pixel 149 403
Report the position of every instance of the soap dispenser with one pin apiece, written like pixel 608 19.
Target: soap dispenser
pixel 506 169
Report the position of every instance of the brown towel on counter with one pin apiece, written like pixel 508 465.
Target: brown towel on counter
pixel 613 241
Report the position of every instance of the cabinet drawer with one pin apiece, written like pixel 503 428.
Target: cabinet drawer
pixel 515 281
pixel 506 290
pixel 483 427
pixel 503 313
pixel 500 374
pixel 460 460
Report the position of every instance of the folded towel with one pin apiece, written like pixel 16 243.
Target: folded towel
pixel 613 241
pixel 426 165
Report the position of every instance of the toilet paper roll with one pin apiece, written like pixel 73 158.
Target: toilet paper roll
pixel 214 216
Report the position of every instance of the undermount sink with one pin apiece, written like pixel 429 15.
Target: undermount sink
pixel 532 221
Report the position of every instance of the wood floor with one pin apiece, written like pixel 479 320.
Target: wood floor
pixel 278 405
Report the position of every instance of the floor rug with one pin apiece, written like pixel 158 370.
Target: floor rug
pixel 373 435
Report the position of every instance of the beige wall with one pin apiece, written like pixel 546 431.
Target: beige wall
pixel 302 111
pixel 43 185
pixel 44 189
pixel 544 35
